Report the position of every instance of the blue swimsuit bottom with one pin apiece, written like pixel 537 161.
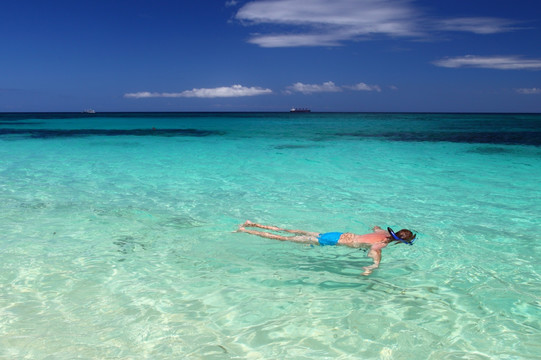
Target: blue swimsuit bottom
pixel 330 238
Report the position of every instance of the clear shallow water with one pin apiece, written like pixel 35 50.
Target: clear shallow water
pixel 117 240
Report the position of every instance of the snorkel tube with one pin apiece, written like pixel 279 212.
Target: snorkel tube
pixel 399 239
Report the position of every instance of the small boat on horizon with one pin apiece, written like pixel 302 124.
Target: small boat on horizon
pixel 89 111
pixel 300 110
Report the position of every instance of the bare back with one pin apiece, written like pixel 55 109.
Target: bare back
pixel 374 241
pixel 365 240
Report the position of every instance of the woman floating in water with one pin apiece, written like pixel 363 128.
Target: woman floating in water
pixel 374 241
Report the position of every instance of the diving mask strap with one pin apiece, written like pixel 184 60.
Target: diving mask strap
pixel 399 239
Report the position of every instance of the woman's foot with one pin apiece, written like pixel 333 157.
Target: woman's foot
pixel 241 228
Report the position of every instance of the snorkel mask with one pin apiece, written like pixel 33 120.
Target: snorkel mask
pixel 399 239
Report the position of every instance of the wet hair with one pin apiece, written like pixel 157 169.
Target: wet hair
pixel 405 235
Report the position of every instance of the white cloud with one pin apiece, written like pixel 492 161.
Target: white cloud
pixel 529 91
pixel 231 3
pixel 231 91
pixel 490 62
pixel 364 87
pixel 329 23
pixel 477 25
pixel 146 94
pixel 328 86
pixel 296 40
pixel 219 92
pixel 365 16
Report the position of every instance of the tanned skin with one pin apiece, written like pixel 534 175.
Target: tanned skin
pixel 374 241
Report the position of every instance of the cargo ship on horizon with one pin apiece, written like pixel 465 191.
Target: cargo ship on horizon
pixel 300 110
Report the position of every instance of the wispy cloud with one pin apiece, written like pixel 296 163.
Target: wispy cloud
pixel 477 25
pixel 364 87
pixel 330 23
pixel 490 62
pixel 146 94
pixel 325 22
pixel 529 91
pixel 297 40
pixel 231 91
pixel 328 86
pixel 219 92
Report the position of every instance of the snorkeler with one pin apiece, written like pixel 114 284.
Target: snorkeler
pixel 374 241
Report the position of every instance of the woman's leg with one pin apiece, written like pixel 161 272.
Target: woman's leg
pixel 299 238
pixel 275 228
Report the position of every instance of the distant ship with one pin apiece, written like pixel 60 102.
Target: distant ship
pixel 89 111
pixel 301 110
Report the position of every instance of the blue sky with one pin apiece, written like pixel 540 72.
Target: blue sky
pixel 270 55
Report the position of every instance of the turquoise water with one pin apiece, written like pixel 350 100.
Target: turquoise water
pixel 117 239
